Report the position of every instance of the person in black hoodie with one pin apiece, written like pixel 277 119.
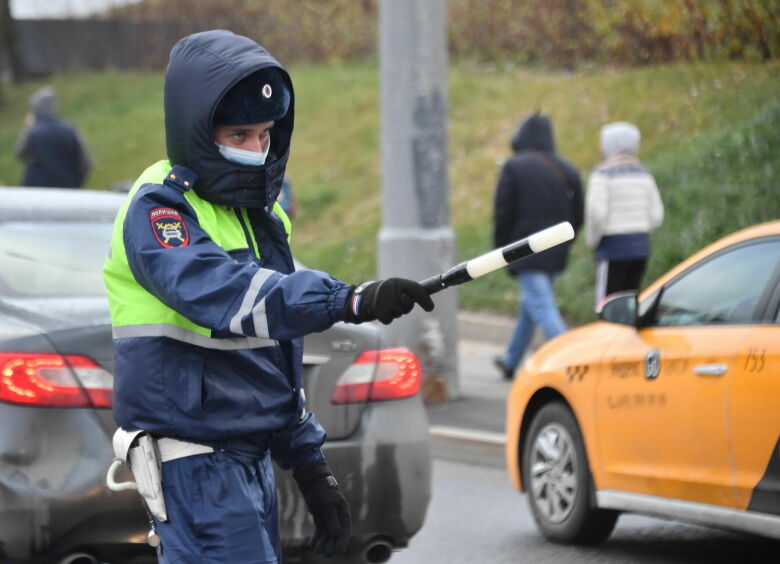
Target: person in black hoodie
pixel 536 189
pixel 209 313
pixel 53 151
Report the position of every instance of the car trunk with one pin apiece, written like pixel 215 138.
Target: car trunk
pixel 328 355
pixel 72 326
pixel 54 457
pixel 81 326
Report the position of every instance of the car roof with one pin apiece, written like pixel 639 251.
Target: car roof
pixel 58 204
pixel 768 229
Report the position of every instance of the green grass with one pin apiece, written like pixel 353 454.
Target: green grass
pixel 119 114
pixel 723 181
pixel 710 132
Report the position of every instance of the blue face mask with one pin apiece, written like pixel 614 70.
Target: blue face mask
pixel 242 156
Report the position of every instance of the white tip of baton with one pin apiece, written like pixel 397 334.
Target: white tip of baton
pixel 486 263
pixel 551 236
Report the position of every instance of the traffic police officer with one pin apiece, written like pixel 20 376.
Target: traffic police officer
pixel 208 312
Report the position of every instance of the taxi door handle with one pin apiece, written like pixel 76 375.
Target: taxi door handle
pixel 711 369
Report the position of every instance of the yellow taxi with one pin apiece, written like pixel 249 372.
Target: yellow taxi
pixel 669 405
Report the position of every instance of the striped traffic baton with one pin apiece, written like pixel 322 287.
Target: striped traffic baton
pixel 499 258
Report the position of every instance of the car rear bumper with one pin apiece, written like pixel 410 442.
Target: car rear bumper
pixel 385 472
pixel 53 498
pixel 384 469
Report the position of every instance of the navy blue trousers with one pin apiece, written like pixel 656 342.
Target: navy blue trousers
pixel 222 508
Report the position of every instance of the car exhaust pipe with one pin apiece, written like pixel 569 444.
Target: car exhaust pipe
pixel 79 558
pixel 377 551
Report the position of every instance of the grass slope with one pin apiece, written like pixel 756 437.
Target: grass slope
pixel 710 135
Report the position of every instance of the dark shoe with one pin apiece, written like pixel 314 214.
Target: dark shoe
pixel 506 371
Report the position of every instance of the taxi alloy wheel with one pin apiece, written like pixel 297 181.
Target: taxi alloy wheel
pixel 557 478
pixel 553 472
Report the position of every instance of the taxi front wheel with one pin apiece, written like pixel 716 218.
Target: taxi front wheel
pixel 558 480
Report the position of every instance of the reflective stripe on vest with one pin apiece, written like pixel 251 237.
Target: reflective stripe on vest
pixel 185 336
pixel 137 313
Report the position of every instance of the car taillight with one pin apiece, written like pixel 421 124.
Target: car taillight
pixel 385 374
pixel 46 380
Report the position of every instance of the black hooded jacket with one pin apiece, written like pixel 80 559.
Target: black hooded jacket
pixel 201 70
pixel 536 189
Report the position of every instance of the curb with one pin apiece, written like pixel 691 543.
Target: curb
pixel 466 445
pixel 475 326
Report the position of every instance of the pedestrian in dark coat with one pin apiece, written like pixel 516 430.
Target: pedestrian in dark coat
pixel 53 151
pixel 536 189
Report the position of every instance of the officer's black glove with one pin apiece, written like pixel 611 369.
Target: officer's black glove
pixel 332 521
pixel 386 300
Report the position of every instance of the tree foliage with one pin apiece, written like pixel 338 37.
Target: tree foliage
pixel 622 32
pixel 9 49
pixel 563 33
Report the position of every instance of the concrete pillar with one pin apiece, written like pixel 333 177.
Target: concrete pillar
pixel 416 239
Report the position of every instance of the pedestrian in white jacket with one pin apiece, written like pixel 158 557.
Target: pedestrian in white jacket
pixel 622 207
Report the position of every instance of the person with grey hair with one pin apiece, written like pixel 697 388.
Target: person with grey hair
pixel 622 207
pixel 53 151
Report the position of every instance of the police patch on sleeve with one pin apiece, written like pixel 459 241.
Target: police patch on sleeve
pixel 169 227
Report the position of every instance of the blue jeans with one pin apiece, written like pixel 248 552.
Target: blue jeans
pixel 537 307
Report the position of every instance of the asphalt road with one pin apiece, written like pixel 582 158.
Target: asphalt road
pixel 476 516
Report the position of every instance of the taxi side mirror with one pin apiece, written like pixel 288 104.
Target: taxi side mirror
pixel 620 308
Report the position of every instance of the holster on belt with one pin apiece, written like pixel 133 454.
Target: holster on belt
pixel 139 451
pixel 144 455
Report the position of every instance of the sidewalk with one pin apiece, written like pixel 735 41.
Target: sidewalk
pixel 471 427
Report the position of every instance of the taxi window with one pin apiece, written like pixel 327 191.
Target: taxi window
pixel 723 290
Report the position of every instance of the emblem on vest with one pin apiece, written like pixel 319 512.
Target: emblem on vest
pixel 169 228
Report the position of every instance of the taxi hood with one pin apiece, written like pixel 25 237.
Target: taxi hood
pixel 201 69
